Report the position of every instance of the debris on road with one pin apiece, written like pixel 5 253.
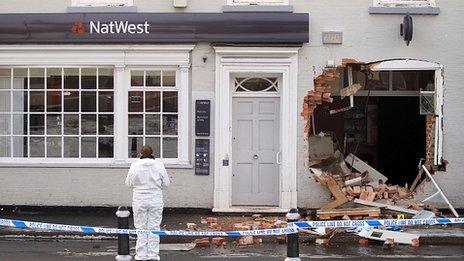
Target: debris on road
pixel 388 236
pixel 201 242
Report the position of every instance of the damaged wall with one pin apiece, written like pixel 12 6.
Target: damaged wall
pixel 366 37
pixel 435 39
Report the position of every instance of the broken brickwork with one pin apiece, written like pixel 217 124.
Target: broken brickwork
pixel 321 93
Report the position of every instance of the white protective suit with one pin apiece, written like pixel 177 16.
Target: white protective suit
pixel 147 177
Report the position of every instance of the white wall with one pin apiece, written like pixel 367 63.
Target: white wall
pixel 366 38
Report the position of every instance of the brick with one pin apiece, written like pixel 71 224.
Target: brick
pixel 218 241
pixel 417 206
pixel 191 226
pixel 364 195
pixel 244 241
pixel 350 191
pixel 371 196
pixel 265 225
pixel 369 189
pixel 403 193
pixel 202 242
pixel 211 220
pixel 346 61
pixel 215 226
pixel 363 241
pixel 257 240
pixel 392 189
pixel 241 226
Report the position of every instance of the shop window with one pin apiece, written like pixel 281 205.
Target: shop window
pixel 402 81
pixel 56 112
pixel 257 2
pixel 153 113
pixel 404 3
pixel 102 2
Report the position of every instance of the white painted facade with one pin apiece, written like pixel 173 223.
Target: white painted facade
pixel 366 37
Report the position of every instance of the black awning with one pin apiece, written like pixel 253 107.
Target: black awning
pixel 154 28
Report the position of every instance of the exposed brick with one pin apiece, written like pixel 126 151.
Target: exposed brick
pixel 215 226
pixel 244 241
pixel 202 242
pixel 241 226
pixel 211 220
pixel 363 241
pixel 191 226
pixel 218 241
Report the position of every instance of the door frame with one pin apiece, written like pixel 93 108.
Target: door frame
pixel 282 61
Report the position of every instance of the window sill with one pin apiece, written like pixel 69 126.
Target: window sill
pixel 405 10
pixel 102 9
pixel 257 8
pixel 112 165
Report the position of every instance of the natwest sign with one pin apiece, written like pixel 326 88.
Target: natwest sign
pixel 154 28
pixel 119 27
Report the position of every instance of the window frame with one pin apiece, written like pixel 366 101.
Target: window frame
pixel 256 2
pixel 403 3
pixel 181 132
pixel 62 112
pixel 101 3
pixel 120 57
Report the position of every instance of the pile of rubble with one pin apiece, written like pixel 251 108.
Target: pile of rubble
pixel 361 192
pixel 361 184
pixel 256 221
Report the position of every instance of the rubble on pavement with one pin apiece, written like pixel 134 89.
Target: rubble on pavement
pixel 227 223
pixel 361 192
pixel 349 185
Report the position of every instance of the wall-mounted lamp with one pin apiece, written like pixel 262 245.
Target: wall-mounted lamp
pixel 205 57
pixel 406 29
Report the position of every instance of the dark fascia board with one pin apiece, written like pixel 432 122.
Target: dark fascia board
pixel 405 10
pixel 237 28
pixel 102 9
pixel 257 8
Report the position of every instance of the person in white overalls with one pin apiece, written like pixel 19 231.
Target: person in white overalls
pixel 147 177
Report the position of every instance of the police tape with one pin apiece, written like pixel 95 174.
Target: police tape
pixel 292 227
pixel 102 230
pixel 377 223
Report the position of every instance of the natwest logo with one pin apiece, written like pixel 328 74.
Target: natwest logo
pixel 119 27
pixel 78 28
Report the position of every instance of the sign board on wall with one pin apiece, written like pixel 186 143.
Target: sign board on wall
pixel 153 28
pixel 202 157
pixel 202 117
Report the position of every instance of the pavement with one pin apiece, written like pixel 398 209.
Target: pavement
pixel 174 219
pixel 105 250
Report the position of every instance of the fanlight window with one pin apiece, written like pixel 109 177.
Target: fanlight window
pixel 255 84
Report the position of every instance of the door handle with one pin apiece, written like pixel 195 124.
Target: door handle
pixel 278 156
pixel 255 156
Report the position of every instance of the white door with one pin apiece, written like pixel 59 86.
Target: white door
pixel 255 138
